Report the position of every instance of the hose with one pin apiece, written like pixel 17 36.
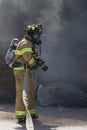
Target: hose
pixel 29 122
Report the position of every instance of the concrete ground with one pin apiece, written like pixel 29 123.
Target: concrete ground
pixel 51 118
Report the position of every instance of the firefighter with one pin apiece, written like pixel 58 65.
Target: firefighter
pixel 25 56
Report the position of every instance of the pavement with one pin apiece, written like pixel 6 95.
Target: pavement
pixel 50 118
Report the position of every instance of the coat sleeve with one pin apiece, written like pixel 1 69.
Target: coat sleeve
pixel 27 53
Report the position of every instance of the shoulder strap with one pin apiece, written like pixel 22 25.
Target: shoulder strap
pixel 28 38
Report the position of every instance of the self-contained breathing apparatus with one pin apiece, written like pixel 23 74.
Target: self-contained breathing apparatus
pixel 10 56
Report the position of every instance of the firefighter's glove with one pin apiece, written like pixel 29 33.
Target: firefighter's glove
pixel 39 61
pixel 34 67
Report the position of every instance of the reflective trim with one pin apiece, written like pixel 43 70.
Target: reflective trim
pixel 31 61
pixel 26 50
pixel 31 27
pixel 18 52
pixel 19 68
pixel 32 111
pixel 20 113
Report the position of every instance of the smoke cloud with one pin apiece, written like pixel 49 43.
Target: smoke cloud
pixel 65 28
pixel 66 40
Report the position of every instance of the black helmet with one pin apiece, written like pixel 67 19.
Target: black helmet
pixel 34 31
pixel 30 29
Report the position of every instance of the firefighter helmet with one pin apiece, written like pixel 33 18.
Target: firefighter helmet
pixel 34 31
pixel 30 29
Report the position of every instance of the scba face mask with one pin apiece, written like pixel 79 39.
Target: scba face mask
pixel 37 39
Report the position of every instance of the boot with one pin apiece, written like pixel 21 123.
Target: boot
pixel 34 115
pixel 21 119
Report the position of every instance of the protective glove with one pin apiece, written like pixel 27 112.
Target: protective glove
pixel 39 61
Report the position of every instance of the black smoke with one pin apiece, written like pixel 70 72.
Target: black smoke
pixel 67 40
pixel 65 34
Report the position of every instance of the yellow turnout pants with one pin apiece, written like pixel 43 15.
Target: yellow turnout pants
pixel 20 109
